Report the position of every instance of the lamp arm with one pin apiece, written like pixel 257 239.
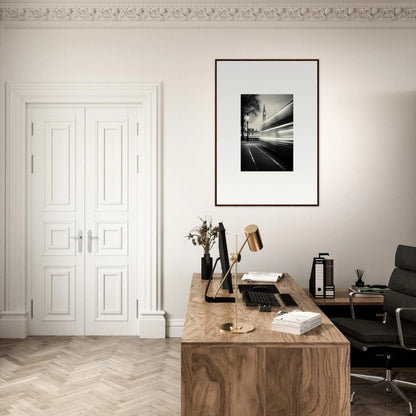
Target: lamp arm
pixel 230 268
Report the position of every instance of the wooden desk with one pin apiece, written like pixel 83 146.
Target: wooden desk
pixel 263 372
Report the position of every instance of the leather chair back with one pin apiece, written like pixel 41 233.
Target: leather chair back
pixel 402 284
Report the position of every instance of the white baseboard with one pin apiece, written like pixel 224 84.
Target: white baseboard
pixel 175 328
pixel 152 324
pixel 13 325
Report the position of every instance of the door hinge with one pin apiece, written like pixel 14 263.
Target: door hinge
pixel 137 129
pixel 32 129
pixel 137 308
pixel 31 308
pixel 31 163
pixel 137 158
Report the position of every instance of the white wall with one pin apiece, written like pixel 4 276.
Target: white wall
pixel 367 135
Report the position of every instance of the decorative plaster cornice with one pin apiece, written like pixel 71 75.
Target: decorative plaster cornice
pixel 207 13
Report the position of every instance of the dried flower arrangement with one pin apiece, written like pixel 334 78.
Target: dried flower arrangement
pixel 204 235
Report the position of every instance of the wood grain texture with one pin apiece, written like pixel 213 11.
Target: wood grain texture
pixel 264 372
pixel 214 391
pixel 315 379
pixel 342 299
pixel 203 319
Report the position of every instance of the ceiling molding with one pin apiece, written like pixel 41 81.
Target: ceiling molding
pixel 206 13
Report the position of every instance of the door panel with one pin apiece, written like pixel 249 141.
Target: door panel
pixel 112 239
pixel 60 165
pixel 59 293
pixel 57 215
pixel 112 163
pixel 58 239
pixel 111 220
pixel 112 301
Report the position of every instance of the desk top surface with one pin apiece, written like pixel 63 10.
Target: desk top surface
pixel 203 319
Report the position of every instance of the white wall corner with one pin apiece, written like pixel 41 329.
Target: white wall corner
pixel 152 324
pixel 13 325
pixel 175 328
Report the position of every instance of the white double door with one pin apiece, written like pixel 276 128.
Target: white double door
pixel 83 218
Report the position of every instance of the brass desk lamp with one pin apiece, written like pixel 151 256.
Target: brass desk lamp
pixel 253 239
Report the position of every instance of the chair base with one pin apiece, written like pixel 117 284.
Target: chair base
pixel 389 383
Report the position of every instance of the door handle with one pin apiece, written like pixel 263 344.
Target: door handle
pixel 79 238
pixel 90 238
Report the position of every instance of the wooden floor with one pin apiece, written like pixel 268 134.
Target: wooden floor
pixel 120 376
pixel 379 403
pixel 83 376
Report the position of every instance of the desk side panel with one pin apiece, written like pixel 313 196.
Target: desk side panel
pixel 308 381
pixel 219 380
pixel 265 380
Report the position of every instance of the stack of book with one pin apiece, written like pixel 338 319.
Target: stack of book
pixel 296 322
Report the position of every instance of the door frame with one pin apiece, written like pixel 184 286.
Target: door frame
pixel 14 318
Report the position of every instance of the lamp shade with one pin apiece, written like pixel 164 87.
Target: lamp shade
pixel 253 237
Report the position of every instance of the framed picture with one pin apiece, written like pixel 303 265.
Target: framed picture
pixel 266 132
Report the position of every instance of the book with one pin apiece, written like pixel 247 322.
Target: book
pixel 329 278
pixel 316 280
pixel 296 322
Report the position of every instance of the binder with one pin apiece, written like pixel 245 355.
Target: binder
pixel 329 279
pixel 321 281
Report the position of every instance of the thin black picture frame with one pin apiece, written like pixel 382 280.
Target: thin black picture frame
pixel 220 203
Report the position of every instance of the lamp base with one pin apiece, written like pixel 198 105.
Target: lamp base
pixel 241 328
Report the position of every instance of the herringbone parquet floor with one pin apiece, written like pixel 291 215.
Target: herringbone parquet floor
pixel 90 376
pixel 120 376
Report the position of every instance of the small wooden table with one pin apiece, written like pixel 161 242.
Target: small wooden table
pixel 365 306
pixel 342 299
pixel 264 372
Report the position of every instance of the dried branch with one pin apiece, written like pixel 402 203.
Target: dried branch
pixel 204 235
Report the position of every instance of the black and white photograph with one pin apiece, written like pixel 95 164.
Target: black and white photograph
pixel 266 132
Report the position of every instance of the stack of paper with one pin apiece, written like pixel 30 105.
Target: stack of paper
pixel 296 322
pixel 262 277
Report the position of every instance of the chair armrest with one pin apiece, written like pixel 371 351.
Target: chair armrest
pixel 400 329
pixel 352 294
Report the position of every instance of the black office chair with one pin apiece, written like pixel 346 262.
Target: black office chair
pixel 397 331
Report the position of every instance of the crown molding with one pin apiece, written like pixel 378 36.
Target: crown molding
pixel 206 13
